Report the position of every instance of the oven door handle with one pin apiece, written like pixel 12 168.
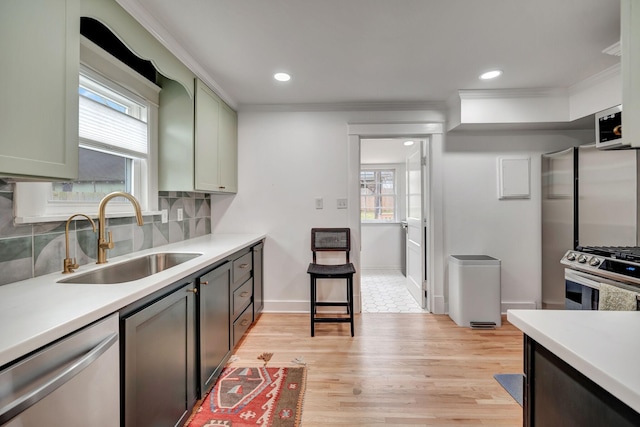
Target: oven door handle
pixel 584 278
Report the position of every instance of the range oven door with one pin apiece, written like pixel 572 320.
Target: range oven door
pixel 581 290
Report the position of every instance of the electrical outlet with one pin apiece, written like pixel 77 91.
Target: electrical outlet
pixel 319 202
pixel 342 203
pixel 179 214
pixel 165 216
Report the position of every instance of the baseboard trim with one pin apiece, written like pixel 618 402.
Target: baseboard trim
pixel 518 306
pixel 439 305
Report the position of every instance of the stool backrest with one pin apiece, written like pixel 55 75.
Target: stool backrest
pixel 330 239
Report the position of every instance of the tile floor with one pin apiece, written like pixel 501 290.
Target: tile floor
pixel 384 291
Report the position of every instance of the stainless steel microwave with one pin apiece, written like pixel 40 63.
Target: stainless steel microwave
pixel 609 129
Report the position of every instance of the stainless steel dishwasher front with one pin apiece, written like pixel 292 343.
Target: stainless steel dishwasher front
pixel 72 382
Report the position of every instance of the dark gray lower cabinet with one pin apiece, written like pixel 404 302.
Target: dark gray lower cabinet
pixel 258 281
pixel 158 372
pixel 214 327
pixel 556 394
pixel 176 341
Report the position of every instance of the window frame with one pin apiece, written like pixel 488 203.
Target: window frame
pixel 32 200
pixel 396 193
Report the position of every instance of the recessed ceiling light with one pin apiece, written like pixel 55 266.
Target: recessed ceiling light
pixel 282 77
pixel 490 75
pixel 408 143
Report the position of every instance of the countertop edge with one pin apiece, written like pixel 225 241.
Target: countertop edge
pixel 592 365
pixel 20 336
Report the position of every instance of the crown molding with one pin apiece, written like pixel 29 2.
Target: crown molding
pixel 511 93
pixel 157 30
pixel 347 106
pixel 596 79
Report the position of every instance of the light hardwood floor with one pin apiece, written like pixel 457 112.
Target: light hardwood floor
pixel 399 369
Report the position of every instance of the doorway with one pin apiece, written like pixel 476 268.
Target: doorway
pixel 391 200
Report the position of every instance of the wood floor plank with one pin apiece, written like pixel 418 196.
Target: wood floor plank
pixel 399 369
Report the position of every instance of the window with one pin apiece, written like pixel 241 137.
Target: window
pixel 117 126
pixel 113 130
pixel 378 195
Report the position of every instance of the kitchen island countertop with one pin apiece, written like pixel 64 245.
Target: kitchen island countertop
pixel 37 311
pixel 602 345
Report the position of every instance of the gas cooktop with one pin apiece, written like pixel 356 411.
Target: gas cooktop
pixel 616 263
pixel 628 253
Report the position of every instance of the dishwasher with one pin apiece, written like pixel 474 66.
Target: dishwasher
pixel 72 382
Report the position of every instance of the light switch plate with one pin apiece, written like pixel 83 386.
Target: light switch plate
pixel 179 211
pixel 342 203
pixel 319 202
pixel 165 216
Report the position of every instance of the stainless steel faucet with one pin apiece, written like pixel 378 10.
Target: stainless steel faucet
pixel 104 244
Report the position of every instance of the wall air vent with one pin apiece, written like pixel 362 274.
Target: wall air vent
pixel 614 50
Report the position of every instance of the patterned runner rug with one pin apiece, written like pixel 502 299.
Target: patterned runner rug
pixel 258 396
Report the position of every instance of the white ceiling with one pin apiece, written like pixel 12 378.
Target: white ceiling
pixel 382 51
pixel 385 150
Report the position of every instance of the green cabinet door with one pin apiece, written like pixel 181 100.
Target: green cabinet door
pixel 40 48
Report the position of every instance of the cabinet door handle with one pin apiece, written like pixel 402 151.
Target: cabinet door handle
pixel 244 294
pixel 204 282
pixel 244 322
pixel 244 265
pixel 194 290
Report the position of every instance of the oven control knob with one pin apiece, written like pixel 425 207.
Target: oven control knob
pixel 594 262
pixel 582 259
pixel 571 256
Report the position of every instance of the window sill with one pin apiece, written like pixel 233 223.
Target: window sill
pixel 62 218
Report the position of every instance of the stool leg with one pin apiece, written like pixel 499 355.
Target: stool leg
pixel 350 300
pixel 313 304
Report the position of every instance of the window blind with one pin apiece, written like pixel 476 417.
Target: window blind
pixel 102 124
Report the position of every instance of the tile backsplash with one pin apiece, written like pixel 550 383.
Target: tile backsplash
pixel 32 250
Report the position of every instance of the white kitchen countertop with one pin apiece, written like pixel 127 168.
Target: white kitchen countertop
pixel 36 311
pixel 602 345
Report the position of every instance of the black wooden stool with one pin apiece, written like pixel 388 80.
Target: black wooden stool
pixel 331 240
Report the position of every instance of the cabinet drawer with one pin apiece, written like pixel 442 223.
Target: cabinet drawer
pixel 242 297
pixel 242 268
pixel 241 325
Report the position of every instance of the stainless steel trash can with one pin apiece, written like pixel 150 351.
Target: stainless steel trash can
pixel 474 291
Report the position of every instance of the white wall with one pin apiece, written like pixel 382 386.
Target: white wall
pixel 382 246
pixel 476 222
pixel 286 160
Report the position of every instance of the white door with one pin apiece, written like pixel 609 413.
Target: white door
pixel 416 225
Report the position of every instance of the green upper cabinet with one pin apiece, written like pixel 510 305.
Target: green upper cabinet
pixel 197 141
pixel 216 143
pixel 40 48
pixel 228 148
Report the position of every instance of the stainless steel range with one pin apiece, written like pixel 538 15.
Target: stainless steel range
pixel 587 267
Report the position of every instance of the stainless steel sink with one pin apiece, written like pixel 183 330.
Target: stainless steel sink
pixel 137 268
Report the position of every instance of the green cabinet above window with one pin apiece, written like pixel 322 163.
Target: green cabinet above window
pixel 40 48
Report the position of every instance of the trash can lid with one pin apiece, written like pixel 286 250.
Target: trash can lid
pixel 474 260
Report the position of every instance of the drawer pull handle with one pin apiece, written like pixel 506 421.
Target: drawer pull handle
pixel 194 290
pixel 204 283
pixel 244 322
pixel 244 294
pixel 244 265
